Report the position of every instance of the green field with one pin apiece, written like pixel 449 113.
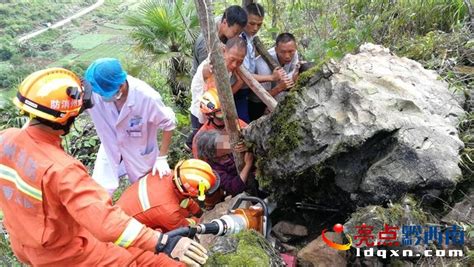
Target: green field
pixel 5 66
pixel 89 41
pixel 119 51
pixel 117 26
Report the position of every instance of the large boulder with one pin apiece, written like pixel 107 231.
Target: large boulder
pixel 365 130
pixel 319 254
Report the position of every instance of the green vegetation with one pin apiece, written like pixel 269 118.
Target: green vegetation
pixel 89 41
pixel 167 33
pixel 432 32
pixel 14 20
pixel 119 51
pixel 249 252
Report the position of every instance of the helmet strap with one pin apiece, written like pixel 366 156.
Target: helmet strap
pixel 202 188
pixel 56 126
pixel 220 127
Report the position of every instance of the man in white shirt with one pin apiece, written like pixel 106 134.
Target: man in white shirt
pixel 285 54
pixel 234 52
pixel 127 114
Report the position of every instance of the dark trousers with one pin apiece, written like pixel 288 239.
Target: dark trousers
pixel 256 110
pixel 242 105
pixel 196 125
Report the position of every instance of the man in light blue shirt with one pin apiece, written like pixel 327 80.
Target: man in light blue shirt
pixel 255 15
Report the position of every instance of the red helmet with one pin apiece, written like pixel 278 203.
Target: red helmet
pixel 194 177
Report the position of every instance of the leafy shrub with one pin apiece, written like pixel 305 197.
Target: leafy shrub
pixel 5 53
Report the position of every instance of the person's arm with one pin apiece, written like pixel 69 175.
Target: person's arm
pixel 193 208
pixel 238 82
pixel 173 217
pixel 206 71
pixel 164 118
pixel 275 76
pixel 231 180
pixel 244 173
pixel 90 205
pixel 201 50
pixel 281 86
pixel 165 142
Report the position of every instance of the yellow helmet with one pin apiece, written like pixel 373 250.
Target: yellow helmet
pixel 194 177
pixel 53 94
pixel 210 105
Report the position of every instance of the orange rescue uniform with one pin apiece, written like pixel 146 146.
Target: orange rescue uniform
pixel 57 215
pixel 157 203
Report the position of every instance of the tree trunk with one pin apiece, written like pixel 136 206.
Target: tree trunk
pixel 258 89
pixel 246 2
pixel 208 28
pixel 470 11
pixel 274 18
pixel 264 53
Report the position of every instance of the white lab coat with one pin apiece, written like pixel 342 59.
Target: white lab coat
pixel 129 138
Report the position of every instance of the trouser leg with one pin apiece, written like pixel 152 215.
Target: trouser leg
pixel 196 125
pixel 103 172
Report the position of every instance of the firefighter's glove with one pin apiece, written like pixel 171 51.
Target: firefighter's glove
pixel 183 249
pixel 161 165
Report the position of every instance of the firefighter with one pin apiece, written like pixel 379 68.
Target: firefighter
pixel 55 214
pixel 168 203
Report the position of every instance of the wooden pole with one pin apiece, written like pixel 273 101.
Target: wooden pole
pixel 264 53
pixel 208 28
pixel 258 89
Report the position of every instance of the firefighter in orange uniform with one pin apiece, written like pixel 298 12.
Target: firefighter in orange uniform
pixel 168 203
pixel 210 106
pixel 54 213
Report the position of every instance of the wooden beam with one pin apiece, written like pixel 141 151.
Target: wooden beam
pixel 258 89
pixel 208 28
pixel 264 53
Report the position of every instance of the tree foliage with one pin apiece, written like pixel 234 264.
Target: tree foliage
pixel 167 32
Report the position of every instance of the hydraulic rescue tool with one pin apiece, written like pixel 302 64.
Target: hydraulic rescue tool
pixel 255 217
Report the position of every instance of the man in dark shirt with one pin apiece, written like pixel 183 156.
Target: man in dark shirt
pixel 230 25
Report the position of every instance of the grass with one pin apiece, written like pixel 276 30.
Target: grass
pixel 119 51
pixel 4 66
pixel 64 61
pixel 89 41
pixel 117 26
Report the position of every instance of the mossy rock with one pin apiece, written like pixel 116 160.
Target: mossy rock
pixel 247 248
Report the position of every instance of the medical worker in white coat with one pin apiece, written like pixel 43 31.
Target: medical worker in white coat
pixel 127 114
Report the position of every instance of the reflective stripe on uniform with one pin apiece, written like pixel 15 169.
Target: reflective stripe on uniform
pixel 191 221
pixel 143 194
pixel 184 203
pixel 9 174
pixel 129 234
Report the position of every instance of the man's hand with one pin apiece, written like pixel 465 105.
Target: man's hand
pixel 278 74
pixel 183 249
pixel 161 165
pixel 240 147
pixel 287 83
